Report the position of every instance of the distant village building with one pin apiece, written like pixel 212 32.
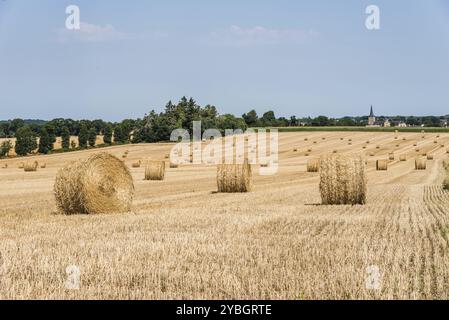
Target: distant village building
pixel 371 118
pixel 387 123
pixel 402 124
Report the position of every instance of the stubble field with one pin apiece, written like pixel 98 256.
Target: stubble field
pixel 182 240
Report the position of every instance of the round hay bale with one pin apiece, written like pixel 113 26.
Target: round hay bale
pixel 436 142
pixel 371 154
pixel 417 149
pixel 43 165
pixel 323 138
pixel 446 183
pixel 5 166
pixel 315 142
pixel 395 138
pixel 342 138
pixel 309 150
pixel 391 157
pixel 99 184
pixel 377 147
pixel 173 165
pixel 136 164
pixel 402 157
pixel 335 151
pixel 446 164
pixel 30 166
pixel 364 147
pixel 430 157
pixel 381 165
pixel 167 156
pixel 306 139
pixel 295 150
pixel 420 164
pixel 234 178
pixel 155 170
pixel 367 142
pixel 21 165
pixel 342 179
pixel 415 144
pixel 447 151
pixel 442 145
pixel 404 139
pixel 313 165
pixel 397 146
pixel 124 156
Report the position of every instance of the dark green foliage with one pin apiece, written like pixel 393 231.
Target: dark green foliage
pixel 5 147
pixel 83 136
pixel 65 138
pixel 107 138
pixel 92 137
pixel 26 141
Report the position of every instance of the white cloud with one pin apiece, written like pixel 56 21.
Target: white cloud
pixel 258 35
pixel 92 33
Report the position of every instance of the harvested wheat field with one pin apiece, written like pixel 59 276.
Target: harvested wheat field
pixel 182 239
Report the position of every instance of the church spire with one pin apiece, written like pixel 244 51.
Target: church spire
pixel 371 112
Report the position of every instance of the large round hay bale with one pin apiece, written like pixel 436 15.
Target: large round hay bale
pixel 381 165
pixel 99 184
pixel 313 165
pixel 233 178
pixel 446 164
pixel 173 165
pixel 43 165
pixel 155 170
pixel 342 179
pixel 403 157
pixel 30 166
pixel 430 157
pixel 21 165
pixel 391 157
pixel 420 164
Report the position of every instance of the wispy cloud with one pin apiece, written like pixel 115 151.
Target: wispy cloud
pixel 258 35
pixel 93 33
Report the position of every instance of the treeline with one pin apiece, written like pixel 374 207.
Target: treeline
pixel 156 127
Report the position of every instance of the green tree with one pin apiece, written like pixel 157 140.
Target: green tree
pixel 26 141
pixel 83 136
pixel 92 137
pixel 65 138
pixel 44 141
pixel 107 134
pixel 5 147
pixel 251 118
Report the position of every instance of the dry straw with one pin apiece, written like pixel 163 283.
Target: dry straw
pixel 155 170
pixel 430 157
pixel 5 166
pixel 313 165
pixel 391 156
pixel 420 164
pixel 43 165
pixel 381 165
pixel 21 165
pixel 402 157
pixel 99 184
pixel 342 179
pixel 234 178
pixel 173 165
pixel 30 166
pixel 136 164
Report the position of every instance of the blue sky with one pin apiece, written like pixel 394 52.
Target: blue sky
pixel 294 57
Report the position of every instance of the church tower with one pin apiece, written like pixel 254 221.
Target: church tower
pixel 371 118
